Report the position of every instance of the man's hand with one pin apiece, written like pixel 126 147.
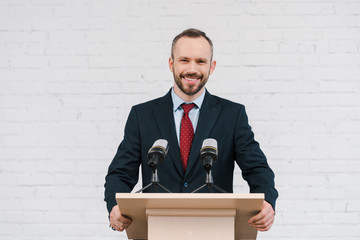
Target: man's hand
pixel 264 219
pixel 118 221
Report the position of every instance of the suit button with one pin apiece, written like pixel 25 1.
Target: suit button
pixel 186 184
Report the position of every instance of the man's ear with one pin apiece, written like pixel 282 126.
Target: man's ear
pixel 171 64
pixel 212 66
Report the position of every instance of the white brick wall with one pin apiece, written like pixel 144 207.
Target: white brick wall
pixel 71 70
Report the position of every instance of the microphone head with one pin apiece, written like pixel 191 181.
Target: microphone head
pixel 159 148
pixel 209 146
pixel 161 144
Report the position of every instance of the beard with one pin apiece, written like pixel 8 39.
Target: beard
pixel 191 89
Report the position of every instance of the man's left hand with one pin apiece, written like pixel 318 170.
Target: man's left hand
pixel 264 219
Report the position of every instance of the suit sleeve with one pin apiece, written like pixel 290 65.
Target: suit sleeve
pixel 252 161
pixel 123 172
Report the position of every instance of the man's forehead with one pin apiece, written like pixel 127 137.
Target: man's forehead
pixel 198 45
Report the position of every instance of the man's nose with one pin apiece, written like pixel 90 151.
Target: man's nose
pixel 192 68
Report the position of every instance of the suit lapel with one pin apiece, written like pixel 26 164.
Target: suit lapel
pixel 164 116
pixel 209 113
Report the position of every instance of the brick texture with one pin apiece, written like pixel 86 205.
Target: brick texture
pixel 71 70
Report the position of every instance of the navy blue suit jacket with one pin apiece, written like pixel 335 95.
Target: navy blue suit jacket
pixel 220 119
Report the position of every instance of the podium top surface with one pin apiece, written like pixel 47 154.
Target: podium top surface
pixel 190 195
pixel 134 205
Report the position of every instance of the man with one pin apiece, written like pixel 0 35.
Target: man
pixel 211 117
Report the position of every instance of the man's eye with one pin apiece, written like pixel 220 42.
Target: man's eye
pixel 183 60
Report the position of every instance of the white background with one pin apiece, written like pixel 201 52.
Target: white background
pixel 71 70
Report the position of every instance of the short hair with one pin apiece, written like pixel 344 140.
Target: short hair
pixel 192 33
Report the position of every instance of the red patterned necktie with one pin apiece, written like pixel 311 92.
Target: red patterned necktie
pixel 186 134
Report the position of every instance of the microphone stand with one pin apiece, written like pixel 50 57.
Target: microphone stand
pixel 154 182
pixel 209 183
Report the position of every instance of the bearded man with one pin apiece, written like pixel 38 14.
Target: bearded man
pixel 188 105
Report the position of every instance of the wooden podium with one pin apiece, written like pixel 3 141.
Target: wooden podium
pixel 190 216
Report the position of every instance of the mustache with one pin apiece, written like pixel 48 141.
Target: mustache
pixel 191 75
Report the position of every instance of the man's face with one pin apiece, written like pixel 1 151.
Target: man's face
pixel 191 65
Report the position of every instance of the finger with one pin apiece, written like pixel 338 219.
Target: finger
pixel 266 220
pixel 257 217
pixel 266 213
pixel 125 219
pixel 262 219
pixel 117 224
pixel 263 225
pixel 119 221
pixel 115 228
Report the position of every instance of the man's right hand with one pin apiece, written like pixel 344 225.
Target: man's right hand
pixel 118 221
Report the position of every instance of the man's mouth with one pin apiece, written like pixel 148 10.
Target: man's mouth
pixel 191 78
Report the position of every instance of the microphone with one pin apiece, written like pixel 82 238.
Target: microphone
pixel 157 153
pixel 208 153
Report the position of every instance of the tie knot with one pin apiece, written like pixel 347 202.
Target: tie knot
pixel 187 107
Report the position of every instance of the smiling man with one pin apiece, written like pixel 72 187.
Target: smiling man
pixel 185 116
pixel 191 64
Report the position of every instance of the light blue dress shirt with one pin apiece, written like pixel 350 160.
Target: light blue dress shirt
pixel 178 111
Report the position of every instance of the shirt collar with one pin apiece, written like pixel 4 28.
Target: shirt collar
pixel 177 101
